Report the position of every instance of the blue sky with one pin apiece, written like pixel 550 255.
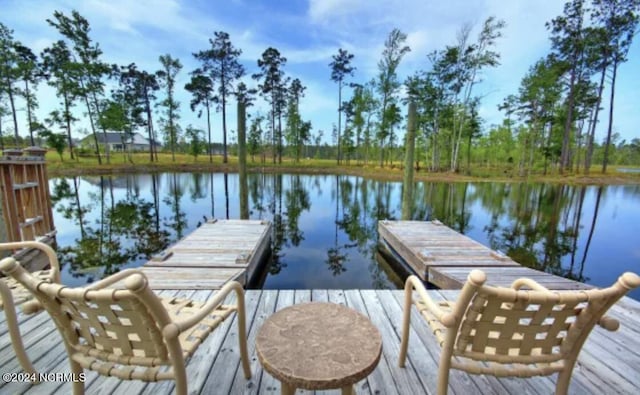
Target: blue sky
pixel 307 33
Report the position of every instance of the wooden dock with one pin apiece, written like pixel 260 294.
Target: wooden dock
pixel 444 257
pixel 608 362
pixel 215 253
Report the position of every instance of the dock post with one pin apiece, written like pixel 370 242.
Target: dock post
pixel 242 160
pixel 407 184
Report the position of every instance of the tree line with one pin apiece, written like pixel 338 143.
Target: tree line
pixel 557 106
pixel 549 123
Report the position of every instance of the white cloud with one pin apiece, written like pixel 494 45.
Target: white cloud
pixel 323 11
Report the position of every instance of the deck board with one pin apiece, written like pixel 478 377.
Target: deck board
pixel 608 360
pixel 215 253
pixel 444 257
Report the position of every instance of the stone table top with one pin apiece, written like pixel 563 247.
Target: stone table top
pixel 318 346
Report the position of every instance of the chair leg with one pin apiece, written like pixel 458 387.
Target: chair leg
pixel 242 336
pixel 178 365
pixel 564 378
pixel 78 385
pixel 14 330
pixel 406 320
pixel 443 373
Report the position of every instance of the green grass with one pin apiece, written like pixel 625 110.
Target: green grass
pixel 120 163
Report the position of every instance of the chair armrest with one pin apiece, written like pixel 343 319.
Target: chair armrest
pixel 173 329
pixel 529 283
pixel 608 323
pixel 51 254
pixel 446 318
pixel 112 279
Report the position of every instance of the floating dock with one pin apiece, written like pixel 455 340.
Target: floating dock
pixel 444 257
pixel 217 252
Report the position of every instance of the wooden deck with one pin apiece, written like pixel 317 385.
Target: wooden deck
pixel 217 252
pixel 444 257
pixel 608 363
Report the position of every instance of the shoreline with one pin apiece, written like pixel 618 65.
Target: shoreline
pixel 388 174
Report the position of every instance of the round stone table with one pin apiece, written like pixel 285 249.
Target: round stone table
pixel 318 346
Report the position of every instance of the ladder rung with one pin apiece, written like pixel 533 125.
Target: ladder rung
pixel 31 221
pixel 26 185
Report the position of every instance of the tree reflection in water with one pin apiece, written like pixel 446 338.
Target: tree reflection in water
pixel 124 231
pixel 324 227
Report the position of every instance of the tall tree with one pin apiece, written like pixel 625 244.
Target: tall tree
pixel 472 58
pixel 194 138
pixel 254 139
pixel 598 55
pixel 54 140
pixel 221 62
pixel 4 111
pixel 201 88
pixel 171 68
pixel 29 71
pixel 61 73
pixel 388 84
pixel 271 88
pixel 8 72
pixel 619 18
pixel 539 95
pixel 294 136
pixel 363 104
pixel 567 39
pixel 341 68
pixel 139 87
pixel 91 70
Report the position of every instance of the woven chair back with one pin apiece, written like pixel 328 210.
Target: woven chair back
pixel 111 325
pixel 530 326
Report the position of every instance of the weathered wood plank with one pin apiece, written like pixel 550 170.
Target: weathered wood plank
pixel 27 324
pixel 268 384
pixel 266 307
pixel 406 380
pixel 228 249
pixel 45 350
pixel 419 358
pixel 381 380
pixel 189 278
pixel 608 360
pixel 201 260
pixel 387 237
pixel 302 296
pixel 444 257
pixel 455 277
pixel 226 365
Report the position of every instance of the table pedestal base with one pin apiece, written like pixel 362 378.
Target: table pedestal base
pixel 286 389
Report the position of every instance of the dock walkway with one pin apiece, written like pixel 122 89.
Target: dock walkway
pixel 608 362
pixel 215 253
pixel 444 257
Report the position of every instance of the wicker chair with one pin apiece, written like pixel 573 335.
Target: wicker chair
pixel 512 332
pixel 131 333
pixel 13 294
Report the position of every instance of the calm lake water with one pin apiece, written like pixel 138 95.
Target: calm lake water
pixel 325 227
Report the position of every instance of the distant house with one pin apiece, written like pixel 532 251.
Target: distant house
pixel 118 142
